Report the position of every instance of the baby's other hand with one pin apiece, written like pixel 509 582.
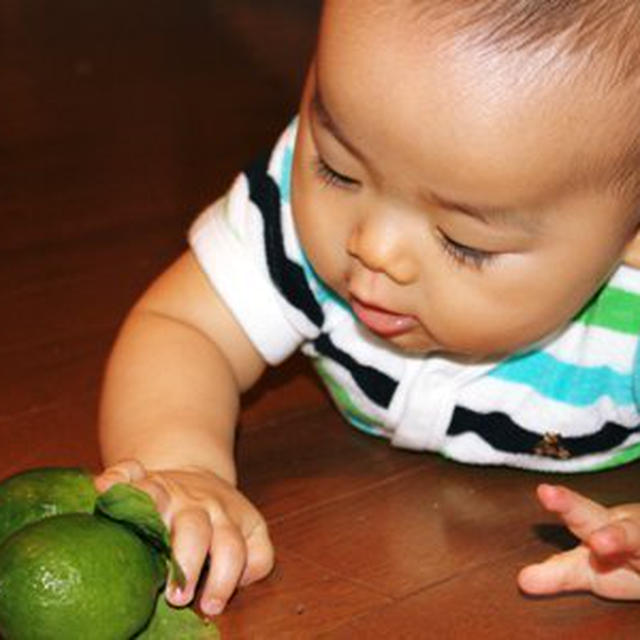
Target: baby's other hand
pixel 208 517
pixel 607 560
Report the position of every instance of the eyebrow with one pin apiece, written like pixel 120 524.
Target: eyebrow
pixel 328 122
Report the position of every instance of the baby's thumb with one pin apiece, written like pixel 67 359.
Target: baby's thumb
pixel 126 471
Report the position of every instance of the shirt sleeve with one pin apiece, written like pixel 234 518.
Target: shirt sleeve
pixel 249 251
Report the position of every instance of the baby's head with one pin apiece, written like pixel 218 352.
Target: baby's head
pixel 473 164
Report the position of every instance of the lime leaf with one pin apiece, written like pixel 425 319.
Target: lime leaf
pixel 132 506
pixel 170 623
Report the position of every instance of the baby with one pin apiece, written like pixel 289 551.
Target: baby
pixel 449 230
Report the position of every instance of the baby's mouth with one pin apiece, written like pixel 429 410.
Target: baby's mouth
pixel 381 321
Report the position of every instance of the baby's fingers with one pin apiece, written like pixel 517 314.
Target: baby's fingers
pixel 568 571
pixel 619 538
pixel 126 471
pixel 228 561
pixel 581 515
pixel 260 555
pixel 191 538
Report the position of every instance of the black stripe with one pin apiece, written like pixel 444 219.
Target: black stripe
pixel 290 280
pixel 288 276
pixel 376 385
pixel 503 434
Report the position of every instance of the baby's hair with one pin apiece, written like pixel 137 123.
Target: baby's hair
pixel 606 30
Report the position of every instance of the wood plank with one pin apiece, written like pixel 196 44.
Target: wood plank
pixel 484 604
pixel 310 460
pixel 299 600
pixel 433 522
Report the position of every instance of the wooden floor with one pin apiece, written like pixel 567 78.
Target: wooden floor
pixel 119 120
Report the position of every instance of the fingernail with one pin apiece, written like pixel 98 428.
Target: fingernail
pixel 212 607
pixel 177 595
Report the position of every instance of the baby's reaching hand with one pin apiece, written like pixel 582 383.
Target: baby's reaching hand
pixel 207 517
pixel 607 560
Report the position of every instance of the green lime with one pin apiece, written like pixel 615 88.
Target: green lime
pixel 40 493
pixel 77 577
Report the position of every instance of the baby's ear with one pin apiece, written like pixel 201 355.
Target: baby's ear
pixel 631 255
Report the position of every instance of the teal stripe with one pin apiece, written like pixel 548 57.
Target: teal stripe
pixel 287 162
pixel 363 426
pixel 572 384
pixel 285 174
pixel 321 291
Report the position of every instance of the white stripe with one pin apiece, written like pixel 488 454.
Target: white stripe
pixel 470 448
pixel 592 346
pixel 536 413
pixel 626 278
pixel 343 378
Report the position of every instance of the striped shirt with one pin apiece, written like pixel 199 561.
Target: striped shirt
pixel 569 404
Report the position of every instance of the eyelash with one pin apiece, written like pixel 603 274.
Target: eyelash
pixel 463 255
pixel 330 177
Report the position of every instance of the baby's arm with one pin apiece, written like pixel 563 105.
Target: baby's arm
pixel 167 423
pixel 607 560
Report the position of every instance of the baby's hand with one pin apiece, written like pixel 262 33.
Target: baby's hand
pixel 607 560
pixel 207 517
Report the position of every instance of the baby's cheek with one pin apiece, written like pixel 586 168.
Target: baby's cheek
pixel 325 249
pixel 331 269
pixel 485 327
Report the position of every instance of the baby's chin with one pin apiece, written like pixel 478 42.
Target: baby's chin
pixel 413 343
pixel 416 344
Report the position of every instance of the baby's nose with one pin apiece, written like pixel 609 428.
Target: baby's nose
pixel 382 245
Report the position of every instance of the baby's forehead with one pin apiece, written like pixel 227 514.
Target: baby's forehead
pixel 502 58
